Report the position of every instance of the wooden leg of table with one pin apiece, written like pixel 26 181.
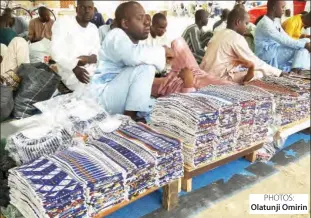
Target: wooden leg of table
pixel 170 196
pixel 186 184
pixel 179 185
pixel 251 157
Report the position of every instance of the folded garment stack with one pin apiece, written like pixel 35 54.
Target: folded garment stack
pixel 228 118
pixel 100 177
pixel 191 119
pixel 256 113
pixel 42 189
pixel 26 146
pixel 290 106
pixel 138 164
pixel 166 150
pixel 299 86
pixel 245 105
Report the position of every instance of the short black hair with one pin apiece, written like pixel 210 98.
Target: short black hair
pixel 199 14
pixel 271 4
pixel 42 10
pixel 122 11
pixel 7 11
pixel 157 17
pixel 236 13
pixel 224 14
pixel 79 2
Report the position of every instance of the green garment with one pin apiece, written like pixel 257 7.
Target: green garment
pixel 6 36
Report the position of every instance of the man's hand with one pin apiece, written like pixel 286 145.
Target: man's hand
pixel 169 54
pixel 84 60
pixel 1 58
pixel 81 74
pixel 308 46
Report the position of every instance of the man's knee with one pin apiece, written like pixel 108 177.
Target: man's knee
pixel 18 41
pixel 144 71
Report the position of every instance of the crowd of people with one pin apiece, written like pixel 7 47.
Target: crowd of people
pixel 117 62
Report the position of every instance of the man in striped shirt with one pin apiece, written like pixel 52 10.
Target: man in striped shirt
pixel 195 37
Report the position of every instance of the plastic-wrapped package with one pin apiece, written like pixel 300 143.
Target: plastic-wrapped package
pixel 39 83
pixel 7 103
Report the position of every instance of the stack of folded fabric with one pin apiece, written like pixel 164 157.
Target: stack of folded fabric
pixel 30 144
pixel 242 127
pixel 101 178
pixel 42 189
pixel 138 164
pixel 264 113
pixel 256 113
pixel 299 86
pixel 166 150
pixel 285 101
pixel 228 119
pixel 190 119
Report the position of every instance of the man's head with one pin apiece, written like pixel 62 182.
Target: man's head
pixel 237 20
pixel 224 14
pixel 159 24
pixel 276 8
pixel 44 14
pixel 131 18
pixel 201 17
pixel 85 10
pixel 8 12
pixel 306 19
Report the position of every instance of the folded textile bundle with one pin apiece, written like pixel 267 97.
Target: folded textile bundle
pixel 191 119
pixel 101 178
pixel 256 113
pixel 166 150
pixel 138 164
pixel 290 105
pixel 42 189
pixel 23 148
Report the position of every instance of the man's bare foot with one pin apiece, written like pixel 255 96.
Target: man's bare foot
pixel 187 76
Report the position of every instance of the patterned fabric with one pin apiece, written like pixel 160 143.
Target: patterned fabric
pixel 41 189
pixel 24 149
pixel 101 177
pixel 214 121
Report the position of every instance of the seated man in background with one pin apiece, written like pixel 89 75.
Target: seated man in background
pixel 232 58
pixel 98 19
pixel 157 34
pixel 41 27
pixel 75 45
pixel 222 23
pixel 275 47
pixel 126 68
pixel 17 24
pixel 295 25
pixel 14 52
pixel 195 37
pixel 6 33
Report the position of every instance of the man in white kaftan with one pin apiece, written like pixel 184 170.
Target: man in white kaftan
pixel 75 45
pixel 126 68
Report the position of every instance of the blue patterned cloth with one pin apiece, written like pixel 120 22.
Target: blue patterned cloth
pixel 41 188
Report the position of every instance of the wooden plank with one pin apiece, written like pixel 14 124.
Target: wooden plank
pixel 251 157
pixel 170 196
pixel 124 203
pixel 179 185
pixel 190 173
pixel 186 184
